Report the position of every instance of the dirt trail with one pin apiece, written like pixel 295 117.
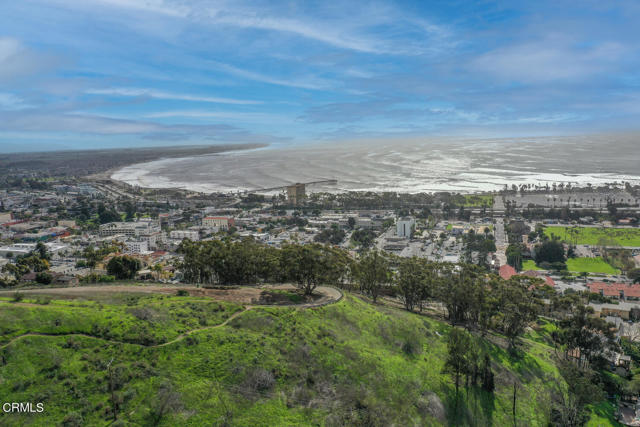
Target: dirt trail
pixel 329 294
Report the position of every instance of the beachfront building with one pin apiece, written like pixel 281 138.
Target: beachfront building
pixel 296 194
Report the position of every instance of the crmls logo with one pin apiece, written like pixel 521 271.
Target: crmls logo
pixel 22 407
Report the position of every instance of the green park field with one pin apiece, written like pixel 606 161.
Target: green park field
pixel 595 236
pixel 478 201
pixel 590 265
pixel 579 265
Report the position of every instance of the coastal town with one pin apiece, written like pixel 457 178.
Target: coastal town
pixel 597 227
pixel 567 241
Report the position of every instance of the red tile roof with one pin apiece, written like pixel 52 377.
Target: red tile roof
pixel 506 271
pixel 615 289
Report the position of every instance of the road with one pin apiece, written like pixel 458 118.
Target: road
pixel 501 241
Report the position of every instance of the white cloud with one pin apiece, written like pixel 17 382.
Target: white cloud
pixel 548 60
pixel 359 32
pixel 9 101
pixel 17 61
pixel 153 93
pixel 312 82
pixel 227 115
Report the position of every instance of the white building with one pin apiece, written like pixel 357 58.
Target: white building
pixel 405 227
pixel 137 246
pixel 18 249
pixel 132 229
pixel 185 234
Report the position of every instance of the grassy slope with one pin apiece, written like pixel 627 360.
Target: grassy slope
pixel 592 235
pixel 129 318
pixel 340 363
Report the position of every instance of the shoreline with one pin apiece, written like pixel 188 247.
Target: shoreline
pixel 101 163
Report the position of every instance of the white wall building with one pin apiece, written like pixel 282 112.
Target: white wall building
pixel 129 228
pixel 185 234
pixel 137 246
pixel 405 227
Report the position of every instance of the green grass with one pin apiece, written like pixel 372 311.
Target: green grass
pixel 478 201
pixel 129 318
pixel 579 265
pixel 590 265
pixel 602 415
pixel 342 364
pixel 529 264
pixel 595 236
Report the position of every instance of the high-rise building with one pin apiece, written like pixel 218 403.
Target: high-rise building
pixel 296 194
pixel 405 226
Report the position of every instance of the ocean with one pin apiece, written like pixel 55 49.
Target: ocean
pixel 411 166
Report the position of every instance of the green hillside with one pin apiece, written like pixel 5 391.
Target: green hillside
pixel 348 363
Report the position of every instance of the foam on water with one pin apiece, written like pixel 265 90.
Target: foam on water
pixel 431 165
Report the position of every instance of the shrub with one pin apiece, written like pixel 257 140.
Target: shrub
pixel 73 419
pixel 259 380
pixel 44 278
pixel 182 293
pixel 43 300
pixel 17 297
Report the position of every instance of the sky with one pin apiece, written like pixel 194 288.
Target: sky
pixel 126 73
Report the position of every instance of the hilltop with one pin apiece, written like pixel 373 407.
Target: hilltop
pixel 346 363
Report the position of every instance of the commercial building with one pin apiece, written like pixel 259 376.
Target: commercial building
pixel 221 222
pixel 131 229
pixel 185 234
pixel 18 249
pixel 405 227
pixel 137 246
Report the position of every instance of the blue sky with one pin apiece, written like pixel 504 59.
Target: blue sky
pixel 114 73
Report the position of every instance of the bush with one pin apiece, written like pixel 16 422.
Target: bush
pixel 17 297
pixel 182 293
pixel 259 380
pixel 73 419
pixel 44 278
pixel 43 300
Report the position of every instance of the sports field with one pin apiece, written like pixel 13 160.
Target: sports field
pixel 594 235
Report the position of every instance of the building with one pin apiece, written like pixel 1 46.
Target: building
pixel 296 194
pixel 185 234
pixel 506 271
pixel 19 249
pixel 221 222
pixel 621 291
pixel 130 229
pixel 5 217
pixel 137 246
pixel 405 227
